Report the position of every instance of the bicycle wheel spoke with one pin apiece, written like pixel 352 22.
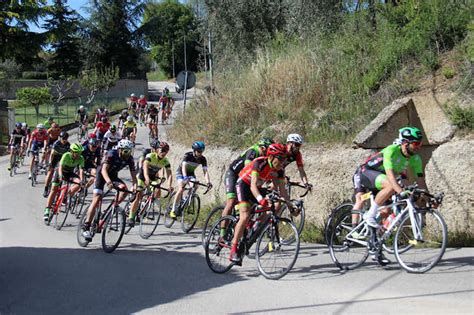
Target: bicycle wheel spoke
pixel 218 244
pixel 149 218
pixel 114 229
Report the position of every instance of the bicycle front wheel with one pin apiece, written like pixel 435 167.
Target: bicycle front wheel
pixel 275 255
pixel 190 214
pixel 336 213
pixel 62 210
pixel 298 220
pixel 212 218
pixel 424 251
pixel 218 244
pixel 149 218
pixel 114 229
pixel 348 246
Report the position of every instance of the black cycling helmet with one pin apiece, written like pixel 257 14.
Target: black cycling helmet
pixel 265 142
pixel 155 144
pixel 63 135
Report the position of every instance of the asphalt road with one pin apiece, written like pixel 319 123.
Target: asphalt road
pixel 44 271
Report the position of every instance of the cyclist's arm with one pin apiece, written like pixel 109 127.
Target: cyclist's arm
pixel 392 178
pixel 253 185
pixel 105 173
pixel 133 173
pixel 183 169
pixel 206 175
pixel 279 183
pixel 146 173
pixel 303 176
pixel 169 176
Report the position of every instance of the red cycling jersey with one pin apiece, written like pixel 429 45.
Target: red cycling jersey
pixel 142 102
pixel 298 157
pixel 103 128
pixel 260 167
pixel 133 99
pixel 39 135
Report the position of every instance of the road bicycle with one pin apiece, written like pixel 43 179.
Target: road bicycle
pixel 418 234
pixel 188 207
pixel 110 222
pixel 16 159
pixel 81 195
pixel 82 134
pixel 38 168
pixel 149 210
pixel 62 204
pixel 277 241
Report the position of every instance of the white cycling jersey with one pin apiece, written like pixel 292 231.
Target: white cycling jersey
pixel 112 138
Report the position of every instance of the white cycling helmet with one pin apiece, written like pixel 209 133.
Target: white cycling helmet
pixel 124 111
pixel 132 95
pixel 40 126
pixel 125 144
pixel 142 96
pixel 130 118
pixel 81 107
pixel 24 125
pixel 294 137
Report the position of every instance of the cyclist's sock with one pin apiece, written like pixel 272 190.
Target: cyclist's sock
pixel 372 213
pixel 233 249
pixel 46 210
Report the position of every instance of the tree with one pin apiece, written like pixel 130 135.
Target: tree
pixel 33 96
pixel 109 36
pixel 16 42
pixel 61 85
pixel 62 30
pixel 97 80
pixel 166 26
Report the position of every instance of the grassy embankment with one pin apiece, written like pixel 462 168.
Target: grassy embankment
pixel 331 86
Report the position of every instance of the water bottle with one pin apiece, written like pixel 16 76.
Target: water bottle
pixel 389 221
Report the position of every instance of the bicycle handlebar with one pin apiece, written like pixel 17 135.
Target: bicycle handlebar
pixel 199 184
pixel 307 187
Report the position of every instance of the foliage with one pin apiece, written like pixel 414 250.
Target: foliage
pixel 16 42
pixel 35 96
pixel 34 75
pixel 96 80
pixel 157 75
pixel 166 25
pixel 109 39
pixel 461 117
pixel 330 86
pixel 448 72
pixel 62 30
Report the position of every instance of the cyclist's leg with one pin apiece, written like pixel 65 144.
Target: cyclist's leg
pixel 138 197
pixel 54 189
pixel 375 180
pixel 97 196
pixel 120 184
pixel 230 181
pixel 179 193
pixel 244 196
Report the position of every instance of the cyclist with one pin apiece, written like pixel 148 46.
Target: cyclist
pixel 38 140
pixel 82 119
pixel 101 128
pixel 65 170
pixel 16 143
pixel 154 162
pixel 186 168
pixel 122 119
pixel 133 99
pixel 232 173
pixel 379 172
pixel 164 101
pixel 91 155
pixel 142 107
pixel 107 173
pixel 293 144
pixel 251 179
pixel 111 138
pixel 59 147
pixel 53 134
pixel 152 118
pixel 130 129
pixel 48 123
pixel 27 131
pixel 132 108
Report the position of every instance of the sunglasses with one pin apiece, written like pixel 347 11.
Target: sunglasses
pixel 416 144
pixel 199 151
pixel 126 151
pixel 297 144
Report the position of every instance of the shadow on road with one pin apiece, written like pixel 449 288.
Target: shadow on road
pixel 68 281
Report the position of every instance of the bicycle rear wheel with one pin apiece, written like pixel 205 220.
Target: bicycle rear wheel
pixel 34 173
pixel 347 248
pixel 212 218
pixel 190 214
pixel 336 213
pixel 149 218
pixel 114 228
pixel 218 244
pixel 12 164
pixel 420 255
pixel 166 208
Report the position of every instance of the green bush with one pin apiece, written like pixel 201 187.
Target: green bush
pixel 463 118
pixel 448 72
pixel 34 75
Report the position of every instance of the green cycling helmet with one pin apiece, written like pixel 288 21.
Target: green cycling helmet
pixel 76 148
pixel 410 134
pixel 265 142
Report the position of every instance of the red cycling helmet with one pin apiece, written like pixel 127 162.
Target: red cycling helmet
pixel 277 149
pixel 92 135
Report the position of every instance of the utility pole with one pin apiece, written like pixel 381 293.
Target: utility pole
pixel 185 75
pixel 211 77
pixel 172 51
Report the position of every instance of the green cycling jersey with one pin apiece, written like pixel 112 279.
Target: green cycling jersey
pixel 392 158
pixel 69 164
